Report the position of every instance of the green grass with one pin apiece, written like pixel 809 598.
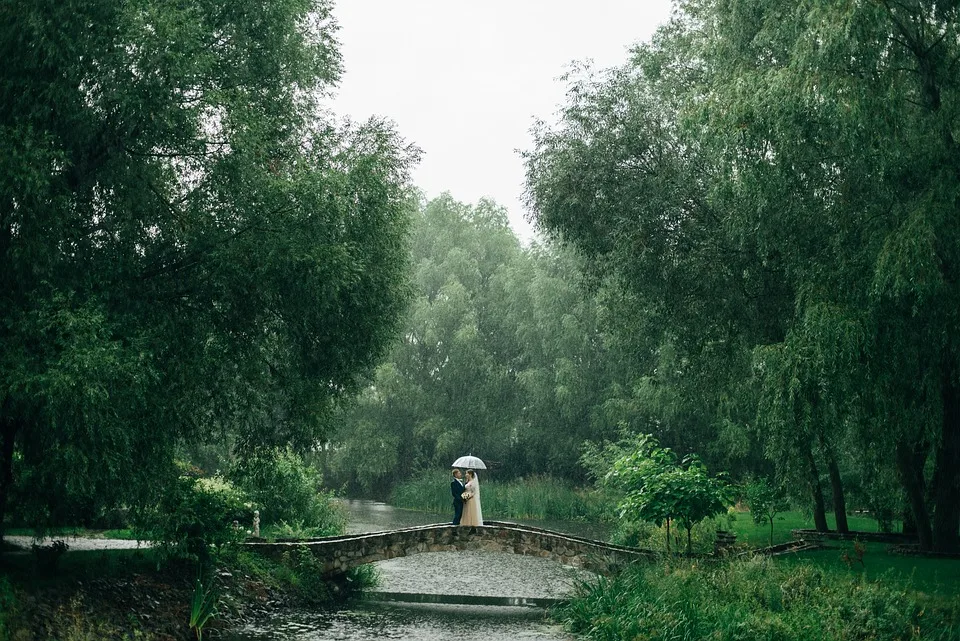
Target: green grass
pixel 759 535
pixel 922 574
pixel 926 576
pixel 757 598
pixel 535 497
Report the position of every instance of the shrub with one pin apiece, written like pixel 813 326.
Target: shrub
pixel 194 514
pixel 755 598
pixel 8 604
pixel 286 489
pixel 641 534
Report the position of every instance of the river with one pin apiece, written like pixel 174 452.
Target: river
pixel 440 596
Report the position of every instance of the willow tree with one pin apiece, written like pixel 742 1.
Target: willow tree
pixel 188 247
pixel 789 173
pixel 844 116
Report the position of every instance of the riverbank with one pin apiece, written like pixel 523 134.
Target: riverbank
pixel 124 595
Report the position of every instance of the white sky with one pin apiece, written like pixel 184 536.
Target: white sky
pixel 466 82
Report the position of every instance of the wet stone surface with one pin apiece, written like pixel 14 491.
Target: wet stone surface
pixel 377 621
pixel 478 573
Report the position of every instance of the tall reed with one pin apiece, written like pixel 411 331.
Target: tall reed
pixel 533 497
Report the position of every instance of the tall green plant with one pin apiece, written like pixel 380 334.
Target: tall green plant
pixel 659 489
pixel 765 501
pixel 287 489
pixel 203 606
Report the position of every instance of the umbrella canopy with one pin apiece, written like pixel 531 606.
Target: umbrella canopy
pixel 469 462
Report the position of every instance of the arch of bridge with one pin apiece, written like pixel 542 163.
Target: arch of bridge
pixel 338 554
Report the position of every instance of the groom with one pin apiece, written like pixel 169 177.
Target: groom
pixel 456 488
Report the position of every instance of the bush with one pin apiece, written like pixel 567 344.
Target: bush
pixel 8 604
pixel 297 574
pixel 286 489
pixel 194 514
pixel 751 599
pixel 640 534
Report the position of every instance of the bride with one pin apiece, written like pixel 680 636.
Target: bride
pixel 472 514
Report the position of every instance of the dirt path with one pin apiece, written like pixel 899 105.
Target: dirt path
pixel 77 543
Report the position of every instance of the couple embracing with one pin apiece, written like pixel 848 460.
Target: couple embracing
pixel 466 499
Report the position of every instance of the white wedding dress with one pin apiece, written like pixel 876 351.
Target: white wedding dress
pixel 472 513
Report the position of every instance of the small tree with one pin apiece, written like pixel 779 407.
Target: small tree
pixel 698 495
pixel 642 475
pixel 765 501
pixel 659 490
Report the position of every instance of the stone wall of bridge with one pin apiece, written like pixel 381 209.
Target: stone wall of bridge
pixel 339 554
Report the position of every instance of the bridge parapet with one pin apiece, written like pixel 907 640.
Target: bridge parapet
pixel 341 553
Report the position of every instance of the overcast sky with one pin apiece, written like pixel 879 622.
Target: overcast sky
pixel 464 82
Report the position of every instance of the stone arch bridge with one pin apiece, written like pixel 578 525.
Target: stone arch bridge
pixel 337 554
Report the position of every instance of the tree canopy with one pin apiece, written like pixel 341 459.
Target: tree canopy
pixel 777 183
pixel 190 246
pixel 501 355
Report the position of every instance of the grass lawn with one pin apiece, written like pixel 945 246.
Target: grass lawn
pixel 759 535
pixel 925 576
pixel 931 576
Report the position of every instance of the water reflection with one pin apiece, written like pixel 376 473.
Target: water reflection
pixel 373 516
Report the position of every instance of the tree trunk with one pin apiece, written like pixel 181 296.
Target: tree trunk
pixel 836 484
pixel 668 536
pixel 689 543
pixel 946 471
pixel 839 503
pixel 910 462
pixel 8 434
pixel 909 522
pixel 816 492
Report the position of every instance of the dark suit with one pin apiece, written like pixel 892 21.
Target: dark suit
pixel 456 488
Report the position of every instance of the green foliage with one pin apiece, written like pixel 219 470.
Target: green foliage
pixel 642 534
pixel 543 497
pixel 203 606
pixel 753 599
pixel 304 575
pixel 502 355
pixel 194 514
pixel 765 501
pixel 298 575
pixel 286 489
pixel 299 530
pixel 772 186
pixel 192 249
pixel 534 497
pixel 659 489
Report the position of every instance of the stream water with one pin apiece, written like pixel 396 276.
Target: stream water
pixel 438 596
